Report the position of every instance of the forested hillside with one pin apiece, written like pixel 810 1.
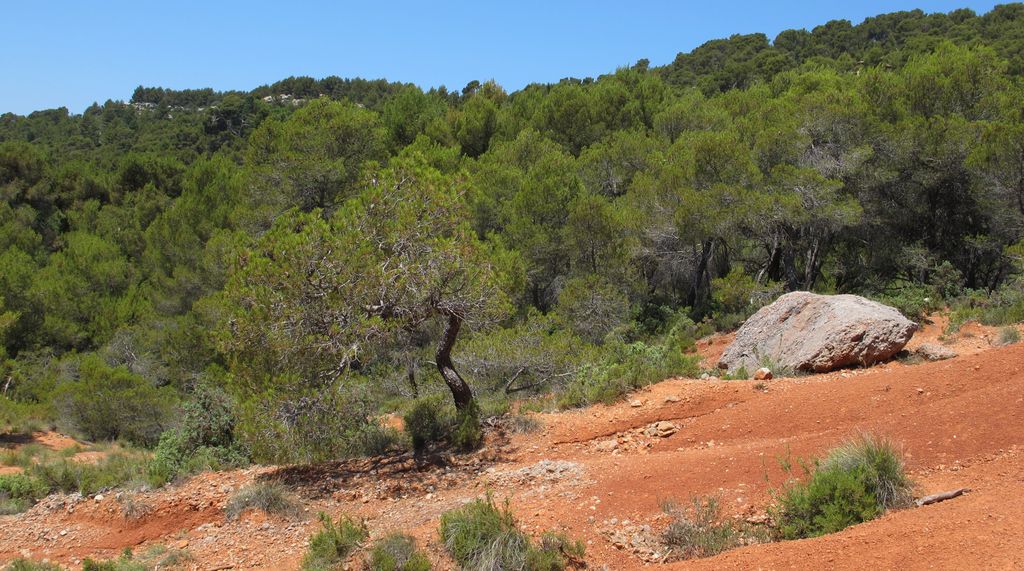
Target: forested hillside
pixel 300 259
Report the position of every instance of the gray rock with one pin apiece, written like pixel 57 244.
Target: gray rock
pixel 933 352
pixel 804 331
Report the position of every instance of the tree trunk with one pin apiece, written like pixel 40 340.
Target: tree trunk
pixel 460 390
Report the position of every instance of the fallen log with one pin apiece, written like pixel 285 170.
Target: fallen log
pixel 936 498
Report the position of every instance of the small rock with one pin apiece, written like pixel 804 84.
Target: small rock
pixel 933 352
pixel 672 398
pixel 763 374
pixel 636 403
pixel 99 497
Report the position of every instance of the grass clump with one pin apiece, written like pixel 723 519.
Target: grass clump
pixel 22 564
pixel 329 547
pixel 481 536
pixel 856 482
pixel 698 531
pixel 1008 336
pixel 272 498
pixel 398 552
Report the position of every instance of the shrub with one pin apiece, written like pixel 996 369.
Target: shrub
pixel 18 492
pixel 697 532
pixel 1008 336
pixel 329 547
pixel 913 301
pixel 22 564
pixel 592 307
pixel 109 403
pixel 855 483
pixel 428 422
pixel 481 536
pixel 468 434
pixel 397 552
pixel 374 439
pixel 116 469
pixel 269 497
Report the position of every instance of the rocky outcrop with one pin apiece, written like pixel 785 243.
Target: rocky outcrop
pixel 803 331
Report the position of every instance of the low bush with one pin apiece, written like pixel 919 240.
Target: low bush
pixel 154 558
pixel 468 434
pixel 856 482
pixel 481 536
pixel 398 552
pixel 18 492
pixel 329 547
pixel 114 470
pixel 22 564
pixel 205 439
pixel 1008 336
pixel 111 403
pixel 271 497
pixel 698 532
pixel 428 422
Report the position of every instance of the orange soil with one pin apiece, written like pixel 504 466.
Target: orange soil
pixel 958 421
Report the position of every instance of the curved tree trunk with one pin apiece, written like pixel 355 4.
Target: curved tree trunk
pixel 460 390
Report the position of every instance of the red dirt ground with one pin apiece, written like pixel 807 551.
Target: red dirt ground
pixel 958 421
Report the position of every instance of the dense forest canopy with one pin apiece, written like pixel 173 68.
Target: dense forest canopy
pixel 314 249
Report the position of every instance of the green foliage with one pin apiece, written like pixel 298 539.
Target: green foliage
pixel 481 536
pixel 119 468
pixel 856 482
pixel 398 552
pixel 205 439
pixel 329 547
pixel 269 497
pixel 468 433
pixel 110 403
pixel 428 422
pixel 153 558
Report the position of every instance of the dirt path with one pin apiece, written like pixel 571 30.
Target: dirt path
pixel 595 474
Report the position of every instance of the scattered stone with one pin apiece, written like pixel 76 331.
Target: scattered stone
pixel 99 497
pixel 636 403
pixel 804 331
pixel 934 352
pixel 763 374
pixel 662 429
pixel 672 398
pixel 607 445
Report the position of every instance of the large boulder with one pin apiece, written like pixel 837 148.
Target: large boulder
pixel 804 331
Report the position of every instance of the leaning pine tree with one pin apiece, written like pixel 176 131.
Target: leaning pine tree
pixel 317 297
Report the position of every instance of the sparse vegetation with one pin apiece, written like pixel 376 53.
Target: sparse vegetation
pixel 270 497
pixel 1008 336
pixel 22 564
pixel 699 532
pixel 398 552
pixel 481 536
pixel 329 547
pixel 854 483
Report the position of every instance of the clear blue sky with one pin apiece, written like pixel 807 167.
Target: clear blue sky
pixel 70 53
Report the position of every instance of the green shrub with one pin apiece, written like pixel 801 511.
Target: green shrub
pixel 428 422
pixel 697 532
pixel 913 301
pixel 397 552
pixel 114 470
pixel 18 492
pixel 480 536
pixel 111 403
pixel 329 547
pixel 855 483
pixel 374 439
pixel 269 497
pixel 468 433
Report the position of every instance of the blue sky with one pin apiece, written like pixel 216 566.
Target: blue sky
pixel 70 53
